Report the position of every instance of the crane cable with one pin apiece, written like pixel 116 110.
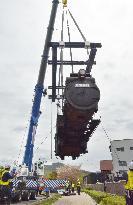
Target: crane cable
pixel 44 139
pixel 61 54
pixel 77 25
pixel 20 150
pixel 51 131
pixel 106 134
pixel 21 145
pixel 69 37
pixel 88 53
pixel 60 82
pixel 61 71
pixel 84 38
pixel 41 143
pixel 51 134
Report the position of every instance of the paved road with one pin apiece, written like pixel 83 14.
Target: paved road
pixel 82 199
pixel 28 202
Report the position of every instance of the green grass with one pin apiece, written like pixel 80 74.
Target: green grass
pixel 50 200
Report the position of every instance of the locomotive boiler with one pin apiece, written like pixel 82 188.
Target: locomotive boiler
pixel 76 125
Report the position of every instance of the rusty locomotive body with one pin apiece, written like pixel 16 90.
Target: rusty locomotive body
pixel 76 125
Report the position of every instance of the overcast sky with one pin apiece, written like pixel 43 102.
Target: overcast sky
pixel 23 26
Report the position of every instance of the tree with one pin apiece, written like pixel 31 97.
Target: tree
pixel 52 175
pixel 69 172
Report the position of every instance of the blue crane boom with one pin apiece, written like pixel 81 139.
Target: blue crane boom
pixel 39 91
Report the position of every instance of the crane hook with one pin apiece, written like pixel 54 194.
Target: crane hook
pixel 64 3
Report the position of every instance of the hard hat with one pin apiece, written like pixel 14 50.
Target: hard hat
pixel 7 166
pixel 131 165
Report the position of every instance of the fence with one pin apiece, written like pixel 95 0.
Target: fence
pixel 57 183
pixel 110 187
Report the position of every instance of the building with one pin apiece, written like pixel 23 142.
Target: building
pixel 106 166
pixel 90 178
pixel 43 168
pixel 122 155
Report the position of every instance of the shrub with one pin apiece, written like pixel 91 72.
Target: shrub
pixel 113 200
pixel 105 198
pixel 96 195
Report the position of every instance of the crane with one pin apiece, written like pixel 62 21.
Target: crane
pixel 39 90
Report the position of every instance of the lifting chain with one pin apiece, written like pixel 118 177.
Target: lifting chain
pixel 69 37
pixel 106 134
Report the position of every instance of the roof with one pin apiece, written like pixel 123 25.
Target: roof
pixel 121 140
pixel 106 165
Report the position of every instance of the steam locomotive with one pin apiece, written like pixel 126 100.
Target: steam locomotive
pixel 76 125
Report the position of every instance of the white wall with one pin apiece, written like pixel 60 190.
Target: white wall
pixel 126 155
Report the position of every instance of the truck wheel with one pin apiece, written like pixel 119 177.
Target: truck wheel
pixel 25 196
pixel 18 197
pixel 6 202
pixel 32 196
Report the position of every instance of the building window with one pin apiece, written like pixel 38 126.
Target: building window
pixel 131 148
pixel 122 163
pixel 120 149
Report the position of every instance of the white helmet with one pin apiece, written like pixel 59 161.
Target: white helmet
pixel 131 165
pixel 7 166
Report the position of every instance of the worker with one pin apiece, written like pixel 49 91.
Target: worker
pixel 41 188
pixel 73 186
pixel 78 187
pixel 129 185
pixel 5 182
pixel 47 191
pixel 68 186
pixel 1 171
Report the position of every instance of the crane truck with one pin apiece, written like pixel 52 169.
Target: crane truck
pixel 25 185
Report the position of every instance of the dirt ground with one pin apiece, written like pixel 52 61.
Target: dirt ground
pixel 82 199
